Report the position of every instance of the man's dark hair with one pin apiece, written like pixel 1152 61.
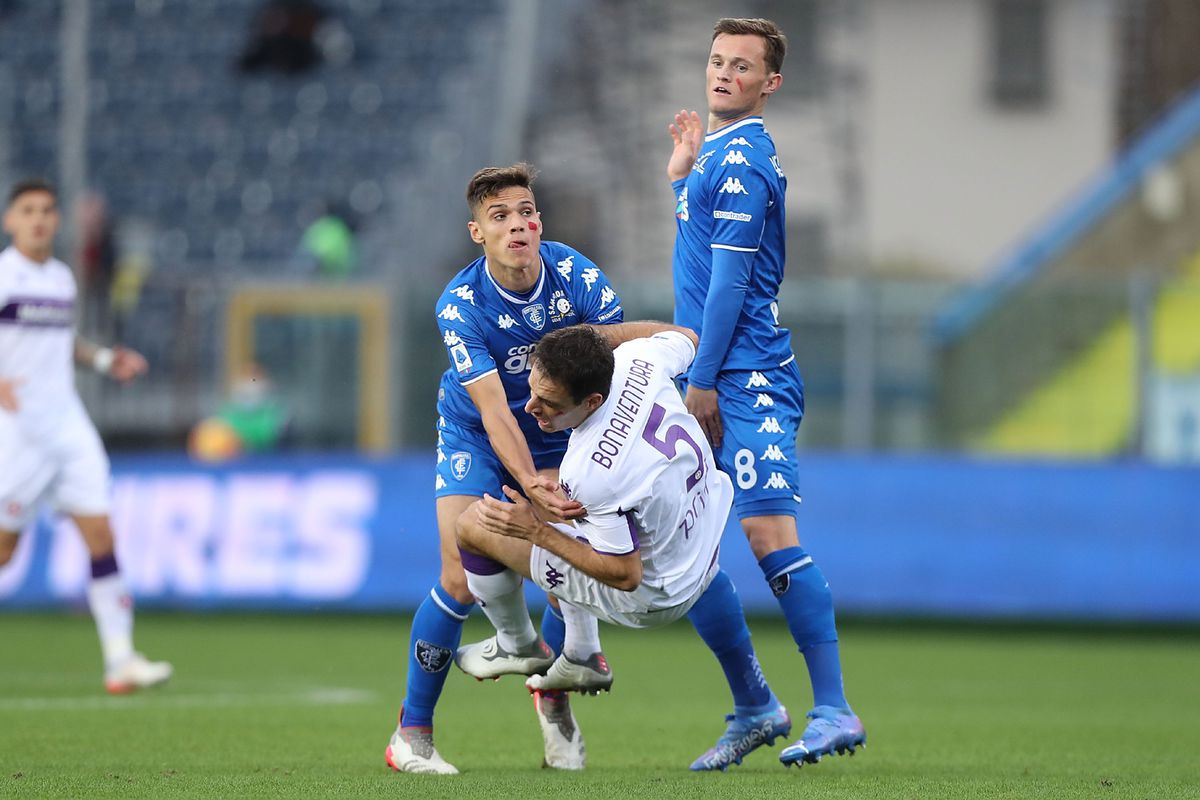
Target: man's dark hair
pixel 577 358
pixel 30 185
pixel 490 180
pixel 772 36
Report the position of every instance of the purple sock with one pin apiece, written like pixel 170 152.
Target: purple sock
pixel 104 566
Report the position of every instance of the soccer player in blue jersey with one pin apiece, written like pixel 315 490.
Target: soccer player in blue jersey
pixel 744 386
pixel 491 316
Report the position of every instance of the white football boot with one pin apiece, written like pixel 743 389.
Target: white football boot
pixel 590 677
pixel 560 731
pixel 136 672
pixel 412 750
pixel 487 659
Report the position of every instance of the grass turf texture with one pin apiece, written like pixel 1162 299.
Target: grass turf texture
pixel 294 706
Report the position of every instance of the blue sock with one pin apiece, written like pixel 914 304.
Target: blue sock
pixel 554 629
pixel 436 632
pixel 803 594
pixel 718 618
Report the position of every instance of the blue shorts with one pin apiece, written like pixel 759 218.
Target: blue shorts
pixel 760 415
pixel 466 464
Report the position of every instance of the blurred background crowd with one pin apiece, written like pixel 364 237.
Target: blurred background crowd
pixel 993 214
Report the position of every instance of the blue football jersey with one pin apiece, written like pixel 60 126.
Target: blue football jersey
pixel 487 328
pixel 733 199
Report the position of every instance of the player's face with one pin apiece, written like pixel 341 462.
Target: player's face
pixel 737 77
pixel 509 227
pixel 32 220
pixel 552 406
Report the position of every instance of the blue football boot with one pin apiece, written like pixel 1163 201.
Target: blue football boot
pixel 832 730
pixel 742 736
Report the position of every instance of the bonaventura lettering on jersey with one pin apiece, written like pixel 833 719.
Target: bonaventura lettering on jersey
pixel 486 328
pixel 641 466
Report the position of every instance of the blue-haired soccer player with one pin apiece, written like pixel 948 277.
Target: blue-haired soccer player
pixel 491 316
pixel 744 386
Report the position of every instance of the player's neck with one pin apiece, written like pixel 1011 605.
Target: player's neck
pixel 516 279
pixel 39 255
pixel 715 122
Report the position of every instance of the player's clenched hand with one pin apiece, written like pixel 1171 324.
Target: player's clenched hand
pixel 8 394
pixel 550 503
pixel 688 134
pixel 702 404
pixel 127 364
pixel 515 519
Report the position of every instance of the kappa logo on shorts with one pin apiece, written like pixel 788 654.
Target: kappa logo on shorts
pixel 460 464
pixel 554 577
pixel 780 583
pixel 432 657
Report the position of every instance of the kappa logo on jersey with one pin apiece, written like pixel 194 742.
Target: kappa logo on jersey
pixel 757 381
pixel 565 266
pixel 764 401
pixel 589 276
pixel 775 164
pixel 702 160
pixel 465 292
pixel 450 312
pixel 460 464
pixel 773 453
pixel 554 577
pixel 770 425
pixel 505 322
pixel 607 295
pixel 736 157
pixel 732 186
pixel 741 140
pixel 462 359
pixel 431 657
pixel 681 209
pixel 776 481
pixel 451 338
pixel 535 315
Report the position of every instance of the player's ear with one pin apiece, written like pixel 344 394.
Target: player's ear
pixel 773 83
pixel 593 401
pixel 473 229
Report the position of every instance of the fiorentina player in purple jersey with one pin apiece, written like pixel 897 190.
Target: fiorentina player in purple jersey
pixel 744 386
pixel 49 449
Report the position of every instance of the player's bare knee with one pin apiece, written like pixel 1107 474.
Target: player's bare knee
pixel 465 528
pixel 768 534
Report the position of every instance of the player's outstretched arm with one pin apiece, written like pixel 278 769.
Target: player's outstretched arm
pixel 623 332
pixel 513 451
pixel 120 363
pixel 688 134
pixel 516 519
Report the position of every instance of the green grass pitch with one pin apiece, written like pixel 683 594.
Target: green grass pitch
pixel 302 706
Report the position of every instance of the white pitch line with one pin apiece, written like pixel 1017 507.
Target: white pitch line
pixel 315 696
